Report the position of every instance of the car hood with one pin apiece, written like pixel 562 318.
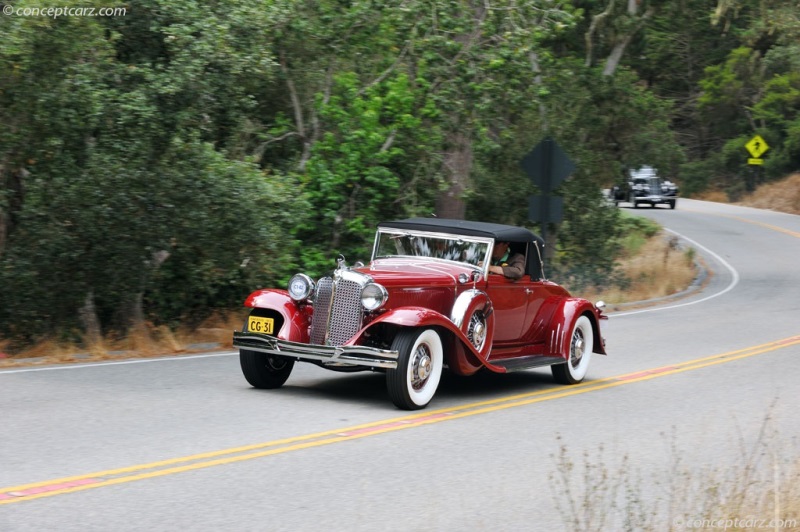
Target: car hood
pixel 422 273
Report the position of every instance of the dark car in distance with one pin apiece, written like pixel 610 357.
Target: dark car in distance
pixel 425 303
pixel 645 187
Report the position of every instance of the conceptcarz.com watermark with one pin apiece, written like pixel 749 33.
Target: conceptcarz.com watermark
pixel 736 524
pixel 58 12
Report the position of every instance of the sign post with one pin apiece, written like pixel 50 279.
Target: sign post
pixel 547 166
pixel 756 146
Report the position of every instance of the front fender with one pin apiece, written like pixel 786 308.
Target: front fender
pixel 462 357
pixel 475 303
pixel 563 321
pixel 413 317
pixel 292 320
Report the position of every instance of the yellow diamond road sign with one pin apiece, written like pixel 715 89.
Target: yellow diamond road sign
pixel 757 146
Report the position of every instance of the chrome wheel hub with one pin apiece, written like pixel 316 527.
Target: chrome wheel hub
pixel 577 349
pixel 421 367
pixel 477 330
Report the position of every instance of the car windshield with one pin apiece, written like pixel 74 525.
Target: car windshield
pixel 649 181
pixel 469 250
pixel 644 172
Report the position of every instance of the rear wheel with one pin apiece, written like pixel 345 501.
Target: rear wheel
pixel 419 368
pixel 265 371
pixel 580 352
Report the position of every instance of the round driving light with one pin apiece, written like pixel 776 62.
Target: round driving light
pixel 300 287
pixel 373 296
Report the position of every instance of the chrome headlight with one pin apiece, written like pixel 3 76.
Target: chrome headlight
pixel 300 287
pixel 373 296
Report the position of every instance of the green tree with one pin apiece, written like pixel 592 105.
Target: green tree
pixel 118 182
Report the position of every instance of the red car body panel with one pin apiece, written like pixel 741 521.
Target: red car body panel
pixel 296 317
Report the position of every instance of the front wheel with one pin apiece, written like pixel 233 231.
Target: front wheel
pixel 580 352
pixel 265 371
pixel 419 368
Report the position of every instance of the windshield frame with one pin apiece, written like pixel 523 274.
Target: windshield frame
pixel 387 232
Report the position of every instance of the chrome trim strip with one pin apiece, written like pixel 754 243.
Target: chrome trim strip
pixel 359 278
pixel 356 355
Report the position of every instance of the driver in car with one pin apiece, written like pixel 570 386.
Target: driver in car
pixel 512 265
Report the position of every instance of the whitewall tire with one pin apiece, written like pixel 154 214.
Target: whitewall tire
pixel 419 368
pixel 581 345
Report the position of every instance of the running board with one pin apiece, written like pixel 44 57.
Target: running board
pixel 518 364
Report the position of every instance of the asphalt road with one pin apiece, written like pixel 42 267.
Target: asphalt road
pixel 696 392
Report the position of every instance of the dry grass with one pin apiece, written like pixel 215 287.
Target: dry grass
pixel 145 341
pixel 659 268
pixel 716 196
pixel 782 196
pixel 762 492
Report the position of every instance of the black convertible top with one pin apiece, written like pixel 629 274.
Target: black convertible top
pixel 503 233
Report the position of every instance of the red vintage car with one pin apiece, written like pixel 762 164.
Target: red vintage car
pixel 425 302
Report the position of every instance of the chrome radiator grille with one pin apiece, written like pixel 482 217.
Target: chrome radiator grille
pixel 337 311
pixel 322 307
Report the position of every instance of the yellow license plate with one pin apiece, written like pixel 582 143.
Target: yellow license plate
pixel 260 325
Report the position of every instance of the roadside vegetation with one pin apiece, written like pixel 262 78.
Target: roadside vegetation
pixel 601 490
pixel 156 166
pixel 782 196
pixel 653 264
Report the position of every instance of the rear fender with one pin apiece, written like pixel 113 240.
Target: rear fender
pixel 563 321
pixel 292 320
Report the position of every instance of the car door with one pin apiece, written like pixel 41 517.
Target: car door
pixel 510 302
pixel 537 316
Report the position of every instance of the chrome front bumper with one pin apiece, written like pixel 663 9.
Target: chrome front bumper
pixel 355 355
pixel 655 199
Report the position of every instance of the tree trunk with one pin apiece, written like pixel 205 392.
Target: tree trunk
pixel 612 62
pixel 12 182
pixel 3 232
pixel 597 21
pixel 134 309
pixel 89 320
pixel 457 165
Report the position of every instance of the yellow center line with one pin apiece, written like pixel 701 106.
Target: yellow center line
pixel 752 222
pixel 172 466
pixel 762 224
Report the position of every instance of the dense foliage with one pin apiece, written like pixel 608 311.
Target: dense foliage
pixel 160 163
